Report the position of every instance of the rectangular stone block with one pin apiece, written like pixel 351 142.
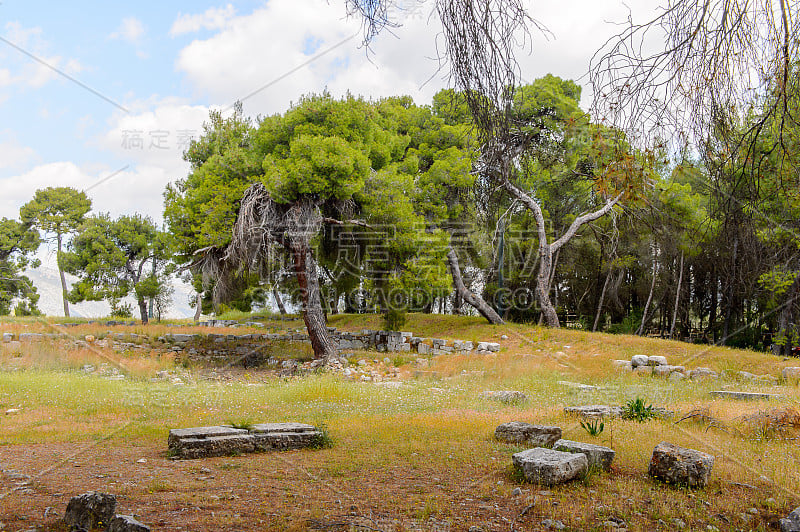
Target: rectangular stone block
pixel 597 455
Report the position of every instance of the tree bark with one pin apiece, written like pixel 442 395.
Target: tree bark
pixel 198 304
pixel 466 294
pixel 306 270
pixel 677 299
pixel 63 279
pixel 729 294
pixel 143 309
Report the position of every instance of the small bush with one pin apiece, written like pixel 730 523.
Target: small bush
pixel 594 428
pixel 323 440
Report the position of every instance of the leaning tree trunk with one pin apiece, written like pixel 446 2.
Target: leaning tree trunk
pixel 602 300
pixel 314 317
pixel 467 295
pixel 198 302
pixel 63 279
pixel 278 300
pixel 640 332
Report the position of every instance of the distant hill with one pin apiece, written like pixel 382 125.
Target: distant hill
pixel 49 286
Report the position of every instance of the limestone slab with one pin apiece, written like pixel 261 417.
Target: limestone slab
pixel 548 467
pixel 678 465
pixel 527 434
pixel 597 455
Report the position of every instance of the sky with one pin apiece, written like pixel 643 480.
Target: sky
pixel 105 96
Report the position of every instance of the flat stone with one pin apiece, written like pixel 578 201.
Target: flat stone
pixel 282 427
pixel 791 523
pixel 281 441
pixel 127 523
pixel 666 371
pixel 176 435
pixel 505 396
pixel 703 373
pixel 493 347
pixel 678 465
pixel 742 396
pixel 657 361
pixel 90 510
pixel 597 455
pixel 577 385
pixel 594 411
pixel 31 337
pixel 639 360
pixel 525 433
pixel 190 448
pixel 548 467
pixel 643 370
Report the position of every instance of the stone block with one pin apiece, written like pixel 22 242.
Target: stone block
pixel 90 510
pixel 127 523
pixel 597 455
pixel 678 465
pixel 527 434
pixel 791 374
pixel 703 373
pixel 657 361
pixel 492 347
pixel 505 396
pixel 666 371
pixel 639 360
pixel 594 411
pixel 31 337
pixel 548 467
pixel 7 337
pixel 622 365
pixel 423 349
pixel 742 396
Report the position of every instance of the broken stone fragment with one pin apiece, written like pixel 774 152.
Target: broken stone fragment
pixel 527 434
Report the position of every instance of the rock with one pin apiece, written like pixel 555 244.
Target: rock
pixel 703 373
pixel 504 337
pixel 577 385
pixel 553 524
pixel 657 361
pixel 624 365
pixel 639 360
pixel 31 337
pixel 548 467
pixel 127 523
pixel 791 523
pixel 791 374
pixel 679 523
pixel 90 510
pixel 516 493
pixel 677 465
pixel 643 370
pixel 594 411
pixel 7 337
pixel 11 411
pixel 597 455
pixel 742 396
pixel 666 371
pixel 505 396
pixel 284 436
pixel 527 434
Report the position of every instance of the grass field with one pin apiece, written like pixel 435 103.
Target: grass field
pixel 419 456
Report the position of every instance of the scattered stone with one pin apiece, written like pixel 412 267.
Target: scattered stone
pixel 516 493
pixel 677 465
pixel 643 370
pixel 742 396
pixel 553 524
pixel 624 365
pixel 525 433
pixel 791 374
pixel 127 523
pixel 657 361
pixel 505 396
pixel 7 337
pixel 667 370
pixel 679 523
pixel 594 411
pixel 90 510
pixel 703 373
pixel 548 467
pixel 11 411
pixel 639 360
pixel 578 386
pixel 597 455
pixel 791 523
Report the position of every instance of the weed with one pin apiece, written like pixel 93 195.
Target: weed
pixel 246 424
pixel 515 475
pixel 323 440
pixel 638 410
pixel 594 428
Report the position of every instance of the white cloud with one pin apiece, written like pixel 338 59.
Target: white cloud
pixel 29 73
pixel 212 19
pixel 14 155
pixel 130 29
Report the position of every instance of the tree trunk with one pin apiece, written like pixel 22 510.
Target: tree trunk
pixel 600 303
pixel 306 270
pixel 640 332
pixel 543 286
pixel 143 309
pixel 198 303
pixel 677 298
pixel 278 300
pixel 63 279
pixel 466 294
